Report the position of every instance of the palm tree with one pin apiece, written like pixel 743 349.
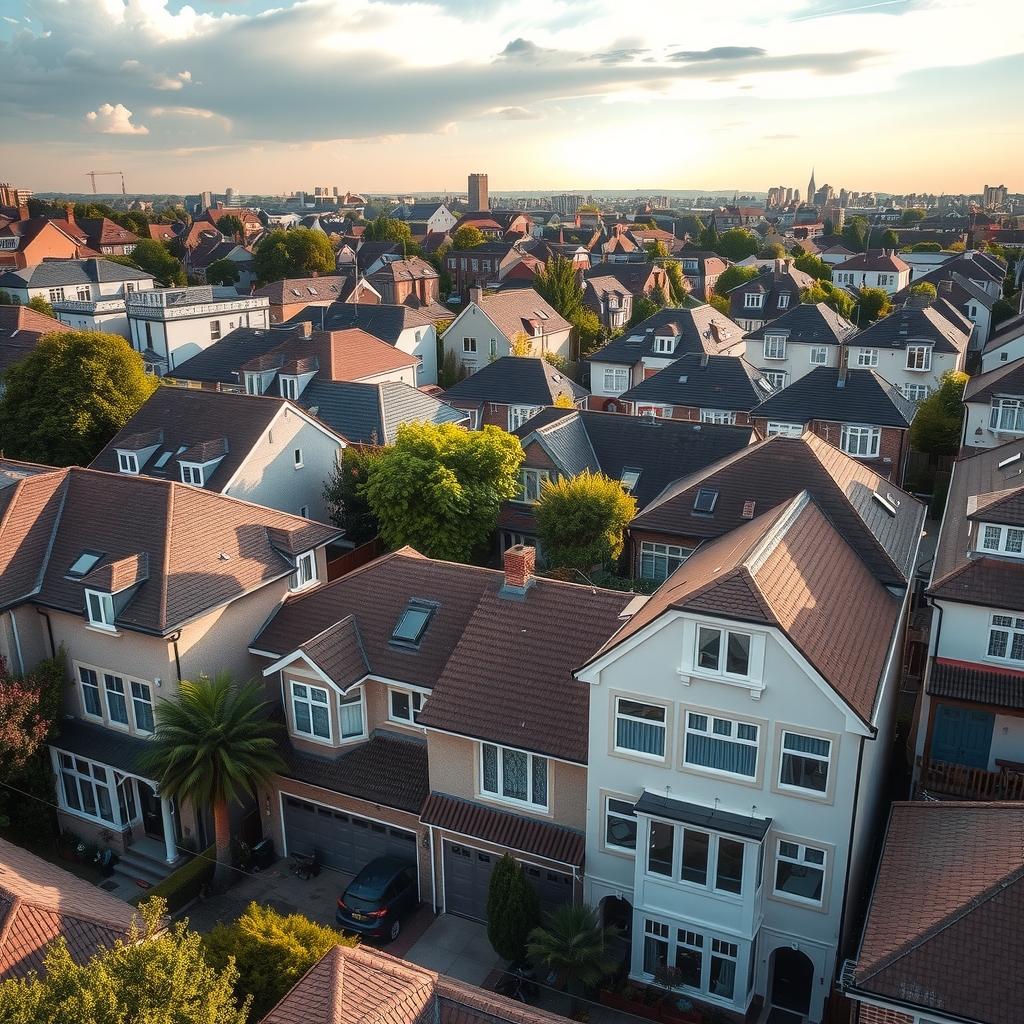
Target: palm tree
pixel 573 945
pixel 212 741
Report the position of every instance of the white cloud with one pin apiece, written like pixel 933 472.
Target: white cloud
pixel 115 120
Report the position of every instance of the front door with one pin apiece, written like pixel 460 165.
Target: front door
pixel 962 736
pixel 152 818
pixel 792 980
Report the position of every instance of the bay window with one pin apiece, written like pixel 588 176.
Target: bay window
pixel 514 775
pixel 860 441
pixel 350 714
pixel 640 728
pixel 707 964
pixel 723 968
pixel 721 745
pixel 1007 415
pixel 85 787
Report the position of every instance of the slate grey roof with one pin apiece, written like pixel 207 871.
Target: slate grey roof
pixel 417 211
pixel 221 362
pixel 907 325
pixel 384 321
pixel 369 252
pixel 663 450
pixel 695 335
pixel 1005 379
pixel 372 413
pixel 52 273
pixel 704 381
pixel 865 398
pixel 516 380
pixel 808 323
pixel 107 746
pixel 775 279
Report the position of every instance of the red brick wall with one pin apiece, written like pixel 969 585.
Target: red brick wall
pixel 496 414
pixel 893 447
pixel 599 402
pixel 537 457
pixel 878 1015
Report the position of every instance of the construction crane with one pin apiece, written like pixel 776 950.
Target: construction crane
pixel 124 194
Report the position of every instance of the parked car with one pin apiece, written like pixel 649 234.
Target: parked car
pixel 381 894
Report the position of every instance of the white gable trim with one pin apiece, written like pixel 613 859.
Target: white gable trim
pixel 290 659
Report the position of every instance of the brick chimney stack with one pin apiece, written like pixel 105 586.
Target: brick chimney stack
pixel 305 329
pixel 69 212
pixel 23 212
pixel 476 294
pixel 520 561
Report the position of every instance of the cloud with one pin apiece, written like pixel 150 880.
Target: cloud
pixel 522 49
pixel 718 53
pixel 520 114
pixel 115 120
pixel 780 136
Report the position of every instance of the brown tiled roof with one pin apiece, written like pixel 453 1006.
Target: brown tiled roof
pixel 964 681
pixel 792 569
pixel 1005 507
pixel 143 439
pixel 21 327
pixel 503 828
pixel 387 770
pixel 513 309
pixel 338 653
pixel 204 549
pixel 205 451
pixel 103 231
pixel 410 269
pixel 775 470
pixel 40 901
pixel 943 930
pixel 960 574
pixel 308 290
pixel 496 666
pixel 117 576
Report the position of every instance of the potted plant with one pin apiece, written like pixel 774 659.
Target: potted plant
pixel 67 845
pixel 678 1010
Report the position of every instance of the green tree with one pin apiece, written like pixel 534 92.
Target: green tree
pixel 708 238
pixel 833 297
pixel 676 285
pixel 855 234
pixel 927 247
pixel 797 251
pixel 659 298
pixel 231 227
pixel 733 277
pixel 558 284
pixel 213 742
pixel 1002 309
pixel 152 977
pixel 223 272
pixel 956 247
pixel 345 497
pixel 890 240
pixel 937 425
pixel 772 251
pixel 6 300
pixel 912 216
pixel 581 520
pixel 588 330
pixel 720 302
pixel 924 290
pixel 439 487
pixel 656 251
pixel 873 304
pixel 296 253
pixel 737 244
pixel 814 266
pixel 467 237
pixel 384 229
pixel 643 309
pixel 573 944
pixel 155 258
pixel 40 305
pixel 451 370
pixel 513 910
pixel 69 396
pixel 271 952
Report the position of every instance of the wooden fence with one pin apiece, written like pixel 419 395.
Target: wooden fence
pixel 354 559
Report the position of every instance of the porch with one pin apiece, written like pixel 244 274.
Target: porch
pixel 943 780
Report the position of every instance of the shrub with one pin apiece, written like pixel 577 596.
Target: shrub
pixel 513 910
pixel 182 886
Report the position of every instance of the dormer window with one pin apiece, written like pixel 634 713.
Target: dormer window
pixel 305 571
pixel 665 345
pixel 100 609
pixel 1007 415
pixel 1003 540
pixel 290 387
pixel 192 474
pixel 753 300
pixel 784 301
pixel 128 462
pixel 412 624
pixel 253 384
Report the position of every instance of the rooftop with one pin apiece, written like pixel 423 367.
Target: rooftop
pixel 516 380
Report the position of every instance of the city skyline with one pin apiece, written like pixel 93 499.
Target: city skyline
pixel 375 95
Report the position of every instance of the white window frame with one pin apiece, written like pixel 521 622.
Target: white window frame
pixel 142 698
pixel 619 814
pixel 417 701
pixel 867 357
pixel 307 700
pixel 791 752
pixel 56 294
pixel 128 462
pixel 214 330
pixel 297 455
pixel 253 384
pixel 115 695
pixel 721 669
pixel 532 482
pixel 784 429
pixel 713 725
pixel 998 417
pixel 289 387
pixel 99 608
pixel 819 355
pixel 776 378
pixel 994 538
pixel 665 346
pixel 919 358
pixel 1011 629
pixel 662 553
pixel 71 765
pixel 469 345
pixel 351 698
pixel 84 293
pixel 711 864
pixel 853 434
pixel 915 392
pixel 619 715
pixel 192 473
pixel 519 414
pixel 616 380
pixel 725 416
pixel 531 764
pixel 774 346
pixel 798 860
pixel 753 300
pixel 305 574
pixel 88 681
pixel 783 302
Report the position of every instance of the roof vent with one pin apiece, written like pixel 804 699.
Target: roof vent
pixel 748 509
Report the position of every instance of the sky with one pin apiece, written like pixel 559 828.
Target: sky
pixel 393 96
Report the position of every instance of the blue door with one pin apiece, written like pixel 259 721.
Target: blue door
pixel 962 736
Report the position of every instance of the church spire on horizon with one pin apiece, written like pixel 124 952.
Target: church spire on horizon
pixel 811 188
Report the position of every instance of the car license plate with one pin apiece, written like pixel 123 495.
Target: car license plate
pixel 359 917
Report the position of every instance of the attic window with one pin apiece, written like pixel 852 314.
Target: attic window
pixel 162 461
pixel 128 462
pixel 413 623
pixel 630 478
pixel 886 502
pixel 705 502
pixel 85 563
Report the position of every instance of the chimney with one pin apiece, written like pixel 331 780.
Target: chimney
pixel 786 265
pixel 69 212
pixel 23 211
pixel 519 565
pixel 305 329
pixel 476 293
pixel 843 359
pixel 778 269
pixel 945 289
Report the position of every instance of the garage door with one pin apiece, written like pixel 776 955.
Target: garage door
pixel 467 874
pixel 553 887
pixel 342 841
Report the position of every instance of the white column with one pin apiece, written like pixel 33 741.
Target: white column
pixel 168 819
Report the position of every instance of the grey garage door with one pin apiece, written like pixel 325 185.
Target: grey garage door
pixel 553 887
pixel 467 874
pixel 342 841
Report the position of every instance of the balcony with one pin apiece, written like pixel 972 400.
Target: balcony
pixel 956 781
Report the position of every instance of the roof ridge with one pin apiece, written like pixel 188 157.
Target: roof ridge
pixel 162 604
pixel 764 546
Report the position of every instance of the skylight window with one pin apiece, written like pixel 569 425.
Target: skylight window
pixel 705 501
pixel 1009 462
pixel 629 478
pixel 413 624
pixel 162 461
pixel 85 563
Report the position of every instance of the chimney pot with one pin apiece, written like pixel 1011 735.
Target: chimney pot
pixel 520 561
pixel 476 294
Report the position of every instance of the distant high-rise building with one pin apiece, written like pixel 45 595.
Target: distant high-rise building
pixel 206 200
pixel 994 197
pixel 566 204
pixel 232 200
pixel 789 195
pixel 810 188
pixel 796 195
pixel 479 200
pixel 14 197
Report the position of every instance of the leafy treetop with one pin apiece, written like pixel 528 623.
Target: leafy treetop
pixel 467 237
pixel 937 425
pixel 296 253
pixel 733 277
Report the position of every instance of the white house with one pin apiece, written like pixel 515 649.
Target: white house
pixel 169 325
pixel 740 726
pixel 994 403
pixel 437 217
pixel 1005 345
pixel 878 269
